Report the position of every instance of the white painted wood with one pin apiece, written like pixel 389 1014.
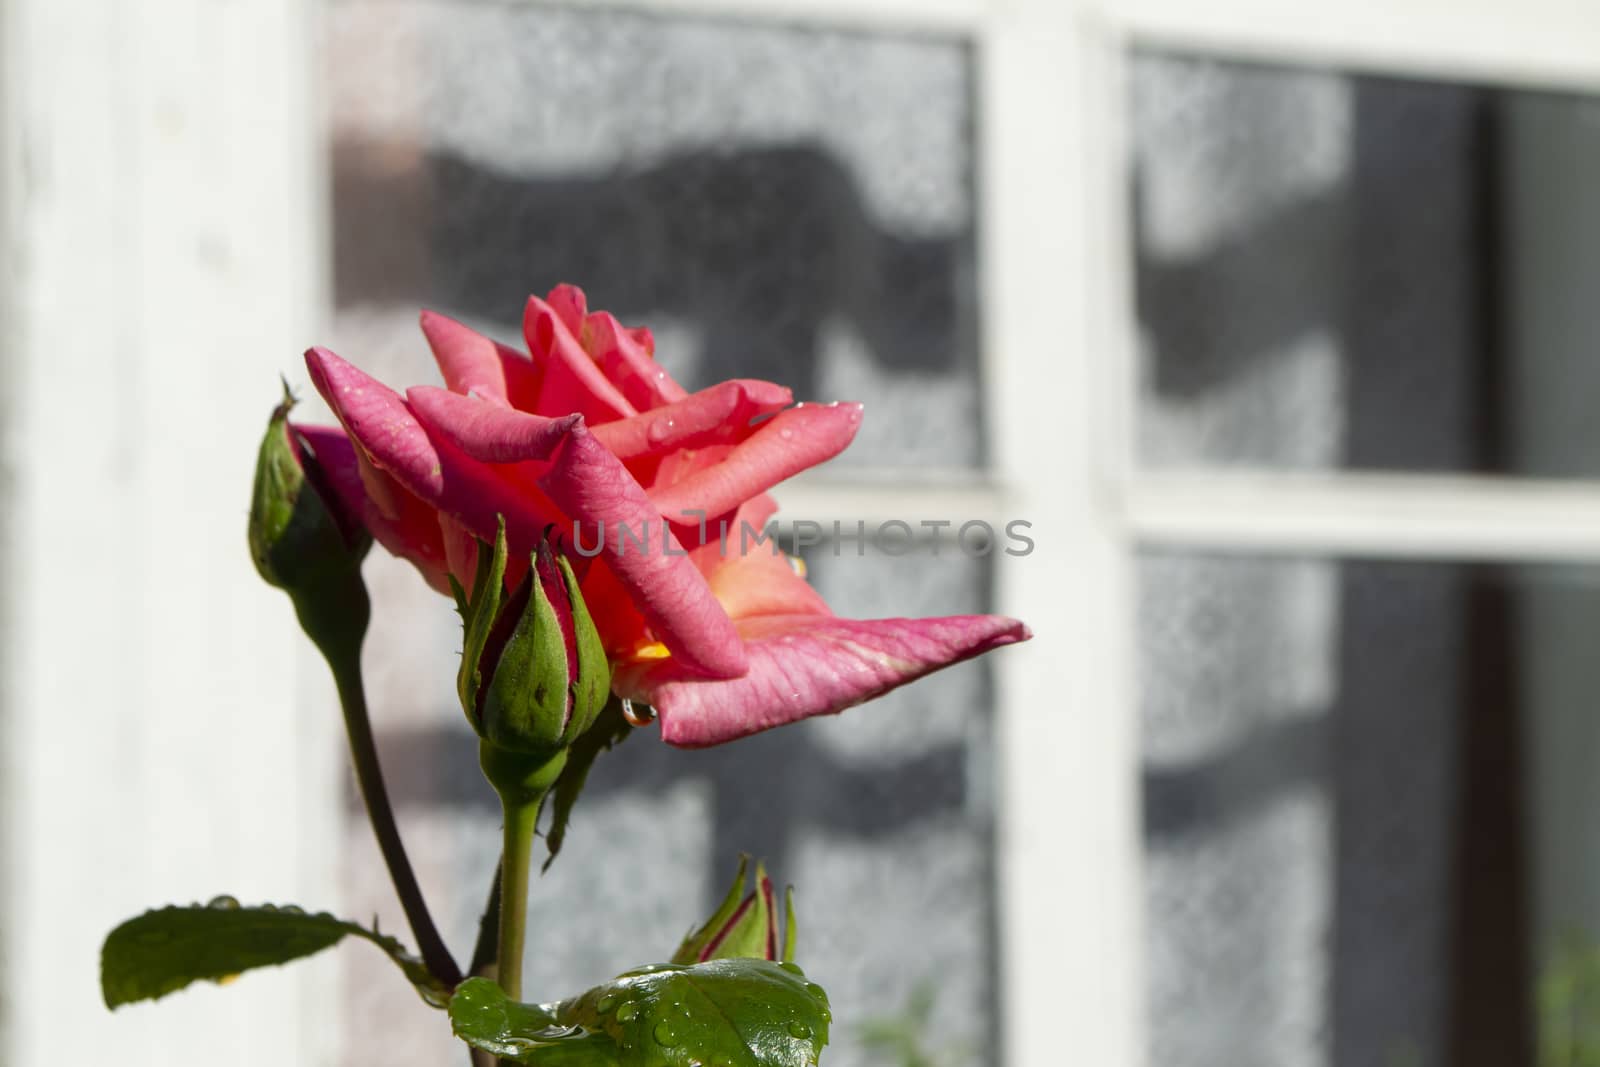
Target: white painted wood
pixel 1068 823
pixel 158 194
pixel 1552 43
pixel 1398 516
pixel 895 15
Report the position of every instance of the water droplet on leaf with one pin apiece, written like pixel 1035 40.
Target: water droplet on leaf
pixel 627 1012
pixel 607 1002
pixel 665 1035
pixel 817 991
pixel 224 902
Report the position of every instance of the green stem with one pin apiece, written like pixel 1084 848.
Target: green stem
pixel 522 781
pixel 346 667
pixel 520 820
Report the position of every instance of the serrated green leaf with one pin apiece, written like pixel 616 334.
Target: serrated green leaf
pixel 610 729
pixel 162 951
pixel 731 1013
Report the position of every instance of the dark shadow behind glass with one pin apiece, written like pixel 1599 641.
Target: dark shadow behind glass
pixel 1352 271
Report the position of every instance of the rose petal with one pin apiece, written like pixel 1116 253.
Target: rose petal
pixel 711 416
pixel 592 486
pixel 572 382
pixel 472 363
pixel 487 432
pixel 625 362
pixel 570 306
pixel 588 484
pixel 807 665
pixel 748 573
pixel 398 521
pixel 437 472
pixel 788 443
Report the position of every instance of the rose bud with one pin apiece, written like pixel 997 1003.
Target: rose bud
pixel 298 527
pixel 302 538
pixel 744 928
pixel 533 672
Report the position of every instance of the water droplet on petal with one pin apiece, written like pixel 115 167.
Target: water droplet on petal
pixel 800 1030
pixel 224 902
pixel 665 1035
pixel 658 430
pixel 637 714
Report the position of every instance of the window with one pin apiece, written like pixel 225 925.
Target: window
pixel 1118 311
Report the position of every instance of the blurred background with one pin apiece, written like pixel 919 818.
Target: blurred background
pixel 1278 326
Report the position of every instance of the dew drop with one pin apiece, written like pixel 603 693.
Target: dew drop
pixel 800 1030
pixel 665 1035
pixel 224 902
pixel 637 714
pixel 817 991
pixel 607 1002
pixel 659 430
pixel 792 967
pixel 627 1012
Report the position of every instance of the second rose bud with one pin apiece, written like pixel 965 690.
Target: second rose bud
pixel 534 674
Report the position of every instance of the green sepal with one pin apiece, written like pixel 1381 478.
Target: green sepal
pixel 478 616
pixel 790 927
pixel 165 950
pixel 739 1012
pixel 697 940
pixel 591 688
pixel 526 704
pixel 608 730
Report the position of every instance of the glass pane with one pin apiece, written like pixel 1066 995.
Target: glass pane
pixel 1369 794
pixel 775 202
pixel 1348 271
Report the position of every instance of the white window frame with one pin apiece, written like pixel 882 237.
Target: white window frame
pixel 145 238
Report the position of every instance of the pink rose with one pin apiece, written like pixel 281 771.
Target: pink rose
pixel 591 436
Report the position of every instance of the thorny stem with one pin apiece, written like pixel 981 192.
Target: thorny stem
pixel 369 777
